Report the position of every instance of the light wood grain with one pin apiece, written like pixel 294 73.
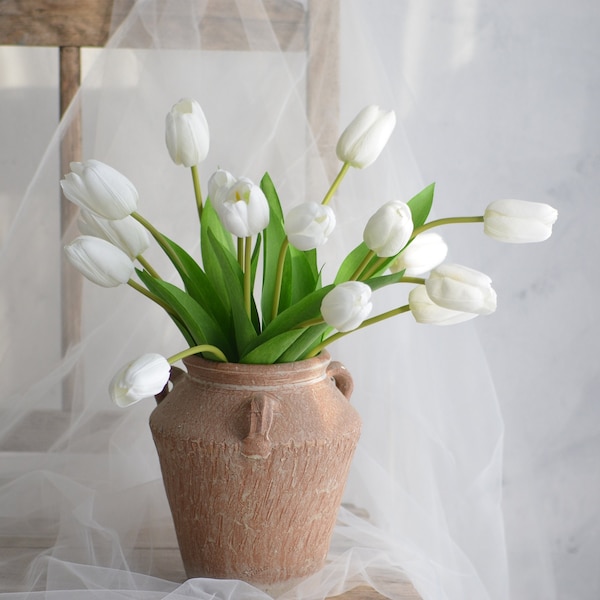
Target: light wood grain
pixel 87 23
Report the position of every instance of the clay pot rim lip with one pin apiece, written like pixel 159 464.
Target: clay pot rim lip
pixel 320 361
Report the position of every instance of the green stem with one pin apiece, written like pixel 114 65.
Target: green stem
pixel 310 322
pixel 336 183
pixel 248 276
pixel 378 264
pixel 196 350
pixel 142 290
pixel 446 221
pixel 362 266
pixel 197 190
pixel 418 280
pixel 240 252
pixel 365 323
pixel 161 240
pixel 147 266
pixel 279 278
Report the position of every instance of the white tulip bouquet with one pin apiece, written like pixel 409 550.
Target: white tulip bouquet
pixel 296 314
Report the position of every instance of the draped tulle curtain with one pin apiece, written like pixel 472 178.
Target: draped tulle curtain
pixel 473 435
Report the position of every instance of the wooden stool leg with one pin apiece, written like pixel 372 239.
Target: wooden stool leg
pixel 323 80
pixel 70 150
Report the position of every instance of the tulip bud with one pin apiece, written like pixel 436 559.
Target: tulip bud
pixel 242 208
pixel 425 311
pixel 424 253
pixel 127 234
pixel 99 261
pixel 519 221
pixel 186 133
pixel 218 180
pixel 101 189
pixel 363 140
pixel 347 305
pixel 461 288
pixel 389 229
pixel 142 378
pixel 309 225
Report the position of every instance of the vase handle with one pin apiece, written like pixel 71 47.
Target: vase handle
pixel 175 375
pixel 341 377
pixel 257 443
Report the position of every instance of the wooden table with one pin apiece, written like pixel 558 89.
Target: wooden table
pixel 165 563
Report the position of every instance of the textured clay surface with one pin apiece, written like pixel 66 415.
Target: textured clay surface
pixel 254 461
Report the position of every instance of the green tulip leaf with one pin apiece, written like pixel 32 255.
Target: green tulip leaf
pixel 420 205
pixel 211 223
pixel 198 321
pixel 376 283
pixel 351 263
pixel 305 275
pixel 271 350
pixel 292 318
pixel 309 339
pixel 198 285
pixel 245 331
pixel 273 239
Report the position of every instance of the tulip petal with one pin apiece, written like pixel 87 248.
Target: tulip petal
pixel 460 288
pixel 425 311
pixel 99 261
pixel 101 189
pixel 347 305
pixel 141 378
pixel 519 221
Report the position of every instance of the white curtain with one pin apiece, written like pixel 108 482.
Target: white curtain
pixel 477 467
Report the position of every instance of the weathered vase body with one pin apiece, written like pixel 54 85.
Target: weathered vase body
pixel 254 461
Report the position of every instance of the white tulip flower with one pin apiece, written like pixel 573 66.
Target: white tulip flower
pixel 101 189
pixel 425 252
pixel 363 140
pixel 425 311
pixel 142 378
pixel 460 288
pixel 218 180
pixel 389 229
pixel 127 234
pixel 309 225
pixel 186 133
pixel 99 261
pixel 347 305
pixel 519 221
pixel 242 208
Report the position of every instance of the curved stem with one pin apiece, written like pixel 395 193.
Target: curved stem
pixel 310 322
pixel 279 278
pixel 196 350
pixel 147 266
pixel 197 190
pixel 378 264
pixel 418 280
pixel 336 183
pixel 142 290
pixel 160 239
pixel 446 221
pixel 362 266
pixel 365 323
pixel 248 275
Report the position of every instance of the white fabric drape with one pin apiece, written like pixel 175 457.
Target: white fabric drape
pixel 477 462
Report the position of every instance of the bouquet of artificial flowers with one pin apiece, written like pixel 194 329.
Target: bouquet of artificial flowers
pixel 295 314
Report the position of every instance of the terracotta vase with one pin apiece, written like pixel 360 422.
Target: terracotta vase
pixel 254 461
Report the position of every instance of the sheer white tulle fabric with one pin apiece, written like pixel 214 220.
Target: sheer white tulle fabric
pixel 90 510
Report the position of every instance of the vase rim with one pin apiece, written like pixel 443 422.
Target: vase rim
pixel 262 374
